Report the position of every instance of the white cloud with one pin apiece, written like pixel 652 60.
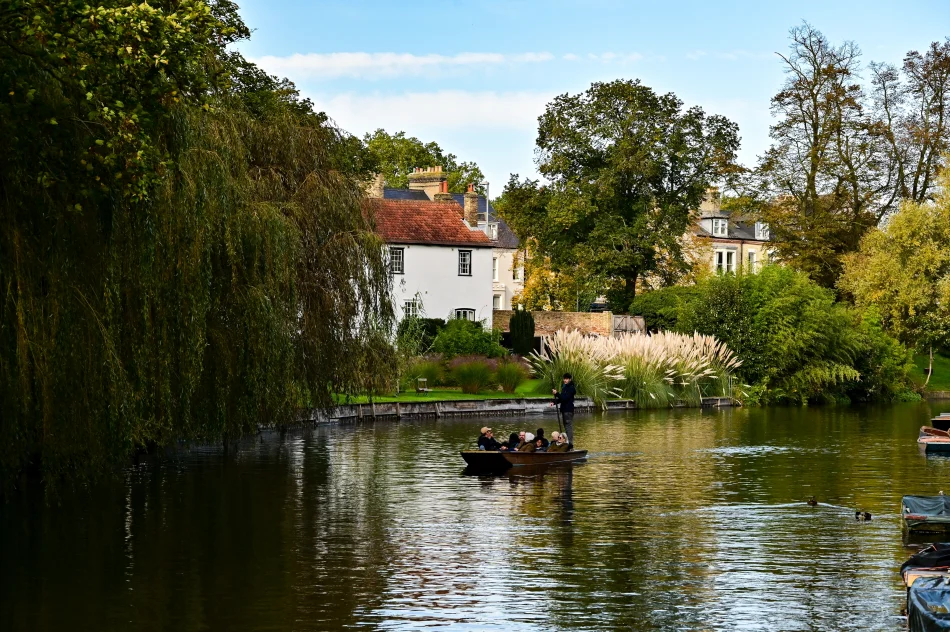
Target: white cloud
pixel 422 113
pixel 571 57
pixel 376 65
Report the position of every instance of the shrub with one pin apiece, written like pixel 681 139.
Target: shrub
pixel 463 337
pixel 415 335
pixel 522 332
pixel 510 375
pixel 430 369
pixel 661 308
pixel 473 376
pixel 586 359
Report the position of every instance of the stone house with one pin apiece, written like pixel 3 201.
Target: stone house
pixel 735 242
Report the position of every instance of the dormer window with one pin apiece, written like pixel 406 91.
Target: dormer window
pixel 720 227
pixel 492 231
pixel 762 231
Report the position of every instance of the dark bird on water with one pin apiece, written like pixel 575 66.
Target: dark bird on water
pixel 812 501
pixel 867 516
pixel 857 515
pixel 862 515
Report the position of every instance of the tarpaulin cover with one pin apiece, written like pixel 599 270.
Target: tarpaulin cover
pixel 934 556
pixel 928 505
pixel 928 605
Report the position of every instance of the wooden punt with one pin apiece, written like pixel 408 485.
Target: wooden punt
pixel 933 439
pixel 926 513
pixel 487 460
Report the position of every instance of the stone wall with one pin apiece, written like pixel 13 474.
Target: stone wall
pixel 546 323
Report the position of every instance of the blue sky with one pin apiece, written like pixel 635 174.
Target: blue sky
pixel 474 75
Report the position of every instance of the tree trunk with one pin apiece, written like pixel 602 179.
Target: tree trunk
pixel 930 369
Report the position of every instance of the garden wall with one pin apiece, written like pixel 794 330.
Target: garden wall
pixel 547 323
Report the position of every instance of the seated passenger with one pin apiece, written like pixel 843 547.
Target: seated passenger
pixel 528 445
pixel 486 441
pixel 521 440
pixel 539 446
pixel 559 442
pixel 513 441
pixel 540 435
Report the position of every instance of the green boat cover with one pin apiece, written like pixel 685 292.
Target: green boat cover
pixel 928 505
pixel 928 605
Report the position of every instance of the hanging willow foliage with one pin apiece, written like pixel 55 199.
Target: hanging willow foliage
pixel 213 269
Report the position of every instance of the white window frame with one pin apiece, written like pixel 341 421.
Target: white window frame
pixel 496 302
pixel 393 268
pixel 494 268
pixel 465 313
pixel 724 261
pixel 720 227
pixel 517 273
pixel 465 263
pixel 762 231
pixel 751 258
pixel 410 308
pixel 492 231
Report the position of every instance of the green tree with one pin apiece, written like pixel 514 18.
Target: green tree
pixel 522 332
pixel 903 271
pixel 626 167
pixel 182 255
pixel 396 155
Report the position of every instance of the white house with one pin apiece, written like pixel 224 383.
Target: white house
pixel 736 241
pixel 440 261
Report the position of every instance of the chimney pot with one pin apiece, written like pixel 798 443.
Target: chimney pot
pixel 471 187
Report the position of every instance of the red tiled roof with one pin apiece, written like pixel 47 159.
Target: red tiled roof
pixel 425 222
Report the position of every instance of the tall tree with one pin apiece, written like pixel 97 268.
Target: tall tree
pixel 183 251
pixel 395 156
pixel 842 157
pixel 914 109
pixel 903 271
pixel 626 167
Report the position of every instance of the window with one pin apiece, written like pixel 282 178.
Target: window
pixel 492 231
pixel 465 314
pixel 496 302
pixel 751 261
pixel 465 263
pixel 494 268
pixel 762 231
pixel 725 261
pixel 410 309
pixel 517 273
pixel 720 227
pixel 397 260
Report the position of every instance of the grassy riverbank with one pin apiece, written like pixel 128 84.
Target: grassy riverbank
pixel 531 388
pixel 941 376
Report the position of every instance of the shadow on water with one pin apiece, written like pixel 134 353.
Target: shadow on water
pixel 679 520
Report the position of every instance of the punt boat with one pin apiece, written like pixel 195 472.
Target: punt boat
pixel 933 439
pixel 941 422
pixel 928 605
pixel 932 561
pixel 499 461
pixel 926 513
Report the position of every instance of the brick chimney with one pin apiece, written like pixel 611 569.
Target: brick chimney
pixel 374 187
pixel 443 195
pixel 471 206
pixel 710 203
pixel 428 179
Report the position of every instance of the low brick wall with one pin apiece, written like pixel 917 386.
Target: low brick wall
pixel 547 323
pixel 937 394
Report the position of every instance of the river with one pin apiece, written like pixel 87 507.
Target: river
pixel 680 520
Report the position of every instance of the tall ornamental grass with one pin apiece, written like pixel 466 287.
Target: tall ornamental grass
pixel 655 371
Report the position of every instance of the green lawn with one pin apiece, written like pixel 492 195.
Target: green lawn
pixel 941 376
pixel 531 388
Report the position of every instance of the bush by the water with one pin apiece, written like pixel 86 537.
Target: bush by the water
pixel 796 343
pixel 416 335
pixel 510 375
pixel 473 376
pixel 462 337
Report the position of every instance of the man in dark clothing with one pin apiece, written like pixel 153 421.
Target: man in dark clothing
pixel 486 441
pixel 565 400
pixel 540 436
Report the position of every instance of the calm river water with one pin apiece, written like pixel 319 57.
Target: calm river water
pixel 680 520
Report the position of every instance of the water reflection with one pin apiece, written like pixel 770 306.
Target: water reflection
pixel 679 520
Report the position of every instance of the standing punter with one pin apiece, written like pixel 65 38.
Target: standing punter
pixel 565 399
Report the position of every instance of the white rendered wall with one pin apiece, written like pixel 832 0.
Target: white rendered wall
pixel 506 287
pixel 431 274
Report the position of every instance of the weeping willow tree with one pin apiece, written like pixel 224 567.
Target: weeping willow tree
pixel 183 249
